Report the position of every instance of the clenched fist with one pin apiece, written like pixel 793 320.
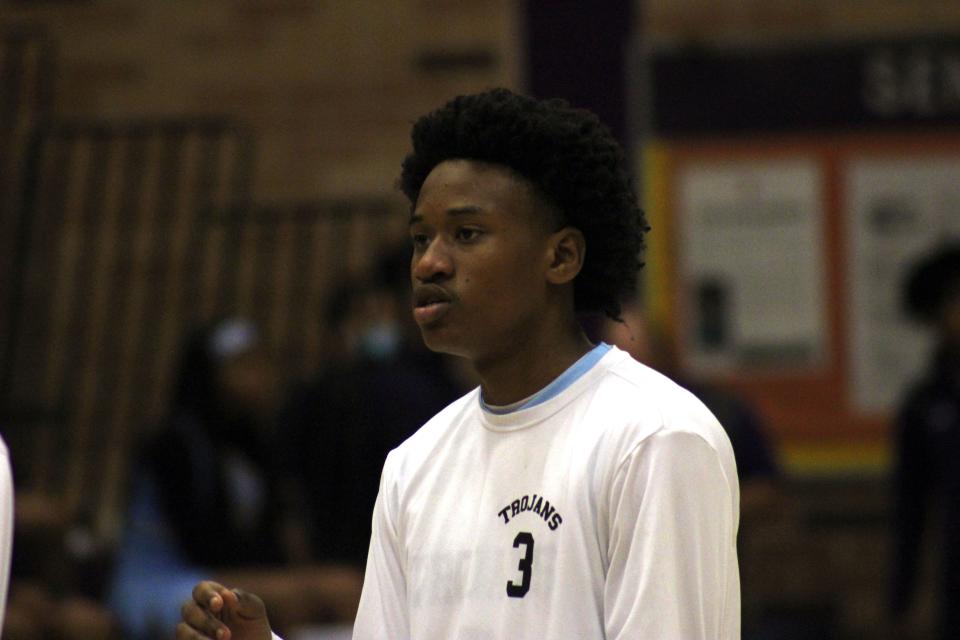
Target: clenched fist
pixel 223 614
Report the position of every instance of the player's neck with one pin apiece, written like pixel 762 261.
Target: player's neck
pixel 531 366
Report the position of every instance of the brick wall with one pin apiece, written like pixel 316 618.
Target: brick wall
pixel 328 88
pixel 326 92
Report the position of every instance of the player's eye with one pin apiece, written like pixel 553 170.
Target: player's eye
pixel 419 240
pixel 467 234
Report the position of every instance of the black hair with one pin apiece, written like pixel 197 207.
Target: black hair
pixel 572 160
pixel 195 383
pixel 931 281
pixel 390 272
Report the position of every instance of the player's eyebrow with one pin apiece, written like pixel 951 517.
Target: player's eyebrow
pixel 452 211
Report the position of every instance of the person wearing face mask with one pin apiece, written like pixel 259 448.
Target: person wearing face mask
pixel 376 389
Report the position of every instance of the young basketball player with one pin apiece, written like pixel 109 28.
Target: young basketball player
pixel 576 493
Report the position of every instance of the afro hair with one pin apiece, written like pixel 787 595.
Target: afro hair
pixel 931 281
pixel 572 160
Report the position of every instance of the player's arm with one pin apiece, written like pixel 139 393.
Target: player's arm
pixel 223 614
pixel 672 547
pixel 383 602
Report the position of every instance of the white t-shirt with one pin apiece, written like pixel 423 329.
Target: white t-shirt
pixel 6 525
pixel 608 511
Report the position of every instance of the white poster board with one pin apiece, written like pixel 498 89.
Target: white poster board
pixel 898 209
pixel 752 265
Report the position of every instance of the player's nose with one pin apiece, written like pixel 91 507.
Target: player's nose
pixel 435 262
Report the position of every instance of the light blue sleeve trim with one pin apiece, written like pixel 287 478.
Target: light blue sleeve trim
pixel 555 388
pixel 152 578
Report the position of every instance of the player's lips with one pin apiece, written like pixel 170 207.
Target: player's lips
pixel 430 303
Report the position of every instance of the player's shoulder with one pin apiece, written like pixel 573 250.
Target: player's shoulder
pixel 641 386
pixel 419 445
pixel 650 402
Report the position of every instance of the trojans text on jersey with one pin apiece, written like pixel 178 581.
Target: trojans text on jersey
pixel 535 504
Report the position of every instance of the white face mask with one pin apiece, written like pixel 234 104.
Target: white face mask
pixel 381 341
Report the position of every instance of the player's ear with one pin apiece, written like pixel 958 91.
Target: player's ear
pixel 567 250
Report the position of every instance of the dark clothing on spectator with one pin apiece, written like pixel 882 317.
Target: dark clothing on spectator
pixel 221 498
pixel 341 430
pixel 928 476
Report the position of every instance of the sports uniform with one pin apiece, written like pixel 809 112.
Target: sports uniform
pixel 609 509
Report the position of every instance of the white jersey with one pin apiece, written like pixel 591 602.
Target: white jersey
pixel 608 511
pixel 6 525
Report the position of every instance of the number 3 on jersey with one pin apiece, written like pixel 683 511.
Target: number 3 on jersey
pixel 526 564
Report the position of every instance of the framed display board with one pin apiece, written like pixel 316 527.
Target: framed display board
pixel 778 264
pixel 789 187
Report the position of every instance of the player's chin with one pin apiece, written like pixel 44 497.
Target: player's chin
pixel 442 339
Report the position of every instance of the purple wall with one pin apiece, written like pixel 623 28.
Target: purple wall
pixel 577 50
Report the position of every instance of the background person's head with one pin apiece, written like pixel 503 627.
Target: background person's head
pixel 226 374
pixel 367 318
pixel 932 292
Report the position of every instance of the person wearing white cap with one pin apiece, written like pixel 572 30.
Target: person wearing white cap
pixel 208 496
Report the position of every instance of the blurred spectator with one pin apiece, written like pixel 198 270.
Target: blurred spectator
pixel 210 498
pixel 55 588
pixel 927 477
pixel 382 388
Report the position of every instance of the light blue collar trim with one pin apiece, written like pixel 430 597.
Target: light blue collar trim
pixel 561 382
